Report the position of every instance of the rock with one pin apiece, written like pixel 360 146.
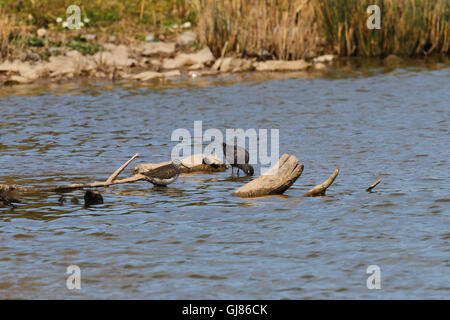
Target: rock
pixel 195 74
pixel 71 64
pixel 29 56
pixel 116 57
pixel 196 66
pixel 150 37
pixel 172 74
pixel 9 194
pixel 8 66
pixel 41 33
pixel 392 60
pixel 20 79
pixel 55 51
pixel 203 56
pixel 90 37
pixel 27 72
pixel 325 58
pixel 187 37
pixel 147 75
pixel 217 64
pixel 281 65
pixel 320 67
pixel 187 25
pixel 153 48
pixel 235 65
pixel 92 198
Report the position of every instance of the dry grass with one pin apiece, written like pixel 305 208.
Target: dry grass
pixel 285 29
pixel 408 27
pixel 6 26
pixel 300 28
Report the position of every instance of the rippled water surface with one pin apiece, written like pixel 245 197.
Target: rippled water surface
pixel 194 240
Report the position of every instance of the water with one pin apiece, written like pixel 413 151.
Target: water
pixel 196 241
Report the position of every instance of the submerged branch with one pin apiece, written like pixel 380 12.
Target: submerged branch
pixel 320 189
pixel 369 189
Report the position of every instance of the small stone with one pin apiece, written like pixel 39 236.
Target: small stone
pixel 203 56
pixel 172 74
pixel 92 198
pixel 392 60
pixel 320 67
pixel 187 25
pixel 235 65
pixel 147 75
pixel 90 37
pixel 153 48
pixel 282 65
pixel 150 38
pixel 41 33
pixel 187 37
pixel 325 58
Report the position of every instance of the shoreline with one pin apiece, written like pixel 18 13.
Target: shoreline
pixel 143 62
pixel 162 62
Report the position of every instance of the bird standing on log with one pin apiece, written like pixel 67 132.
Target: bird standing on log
pixel 166 174
pixel 238 157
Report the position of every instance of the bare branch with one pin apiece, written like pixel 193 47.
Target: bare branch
pixel 369 189
pixel 320 189
pixel 118 171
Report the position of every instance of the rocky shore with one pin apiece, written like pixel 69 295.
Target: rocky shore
pixel 141 61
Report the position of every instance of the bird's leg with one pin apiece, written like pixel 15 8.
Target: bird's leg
pixel 232 171
pixel 238 172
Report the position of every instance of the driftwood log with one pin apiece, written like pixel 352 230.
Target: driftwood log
pixel 194 163
pixel 320 189
pixel 274 181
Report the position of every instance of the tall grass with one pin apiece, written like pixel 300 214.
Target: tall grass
pixel 282 28
pixel 408 27
pixel 300 28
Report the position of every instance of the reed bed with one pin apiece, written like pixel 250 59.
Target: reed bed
pixel 284 29
pixel 408 27
pixel 300 28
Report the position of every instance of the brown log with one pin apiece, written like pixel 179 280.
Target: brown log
pixel 275 181
pixel 369 189
pixel 194 163
pixel 320 189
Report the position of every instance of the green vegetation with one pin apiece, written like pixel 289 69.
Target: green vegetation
pixel 283 29
pixel 83 47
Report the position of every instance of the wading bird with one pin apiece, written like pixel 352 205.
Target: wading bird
pixel 166 174
pixel 238 157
